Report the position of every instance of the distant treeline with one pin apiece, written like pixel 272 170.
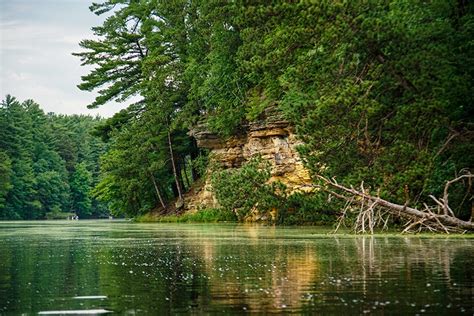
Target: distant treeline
pixel 48 162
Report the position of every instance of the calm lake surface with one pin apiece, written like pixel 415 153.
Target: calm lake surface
pixel 115 266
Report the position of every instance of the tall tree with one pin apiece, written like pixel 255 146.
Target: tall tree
pixel 379 91
pixel 39 155
pixel 81 183
pixel 5 180
pixel 118 53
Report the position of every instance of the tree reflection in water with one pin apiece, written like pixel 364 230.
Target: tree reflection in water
pixel 169 268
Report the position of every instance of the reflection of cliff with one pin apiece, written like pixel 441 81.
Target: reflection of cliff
pixel 169 269
pixel 258 273
pixel 271 137
pixel 244 268
pixel 303 269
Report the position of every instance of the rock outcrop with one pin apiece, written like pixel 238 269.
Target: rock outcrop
pixel 271 137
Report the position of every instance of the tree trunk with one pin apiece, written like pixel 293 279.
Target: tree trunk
pixel 173 164
pixel 182 184
pixel 174 189
pixel 185 174
pixel 162 202
pixel 436 218
pixel 194 154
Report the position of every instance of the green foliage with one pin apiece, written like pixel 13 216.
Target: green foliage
pixel 81 183
pixel 256 104
pixel 201 163
pixel 39 155
pixel 210 215
pixel 52 192
pixel 242 189
pixel 378 91
pixel 137 168
pixel 307 209
pixel 5 178
pixel 212 73
pixel 118 75
pixel 201 216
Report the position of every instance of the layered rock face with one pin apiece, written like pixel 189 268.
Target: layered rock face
pixel 271 137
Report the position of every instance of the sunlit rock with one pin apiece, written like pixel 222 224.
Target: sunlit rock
pixel 271 137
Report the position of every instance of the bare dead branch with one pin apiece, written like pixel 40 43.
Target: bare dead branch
pixel 446 143
pixel 371 209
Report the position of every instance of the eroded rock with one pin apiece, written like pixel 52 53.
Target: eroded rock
pixel 271 138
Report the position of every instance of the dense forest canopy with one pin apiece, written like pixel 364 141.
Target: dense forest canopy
pixel 379 92
pixel 48 163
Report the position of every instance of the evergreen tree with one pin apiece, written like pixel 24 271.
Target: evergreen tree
pixel 39 154
pixel 379 91
pixel 5 179
pixel 119 53
pixel 81 182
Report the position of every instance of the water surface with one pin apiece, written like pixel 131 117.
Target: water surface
pixel 67 267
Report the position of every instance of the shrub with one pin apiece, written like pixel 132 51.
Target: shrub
pixel 304 209
pixel 201 216
pixel 242 189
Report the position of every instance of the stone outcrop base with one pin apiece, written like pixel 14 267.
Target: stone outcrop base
pixel 271 138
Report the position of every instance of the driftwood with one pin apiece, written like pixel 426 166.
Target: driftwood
pixel 373 211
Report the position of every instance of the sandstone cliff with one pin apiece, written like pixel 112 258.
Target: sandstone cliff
pixel 271 137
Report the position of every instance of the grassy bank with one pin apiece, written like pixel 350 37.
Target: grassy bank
pixel 202 216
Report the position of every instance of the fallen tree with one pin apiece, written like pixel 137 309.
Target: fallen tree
pixel 372 211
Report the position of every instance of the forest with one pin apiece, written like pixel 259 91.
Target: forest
pixel 379 93
pixel 304 157
pixel 48 163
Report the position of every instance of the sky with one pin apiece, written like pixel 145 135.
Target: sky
pixel 37 38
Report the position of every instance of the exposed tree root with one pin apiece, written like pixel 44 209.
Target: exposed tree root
pixel 373 211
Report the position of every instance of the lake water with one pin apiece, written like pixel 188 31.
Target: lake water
pixel 115 266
